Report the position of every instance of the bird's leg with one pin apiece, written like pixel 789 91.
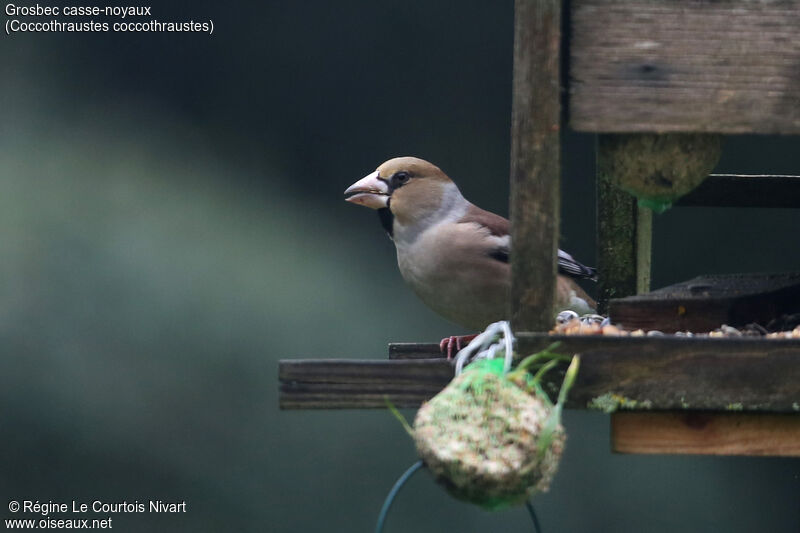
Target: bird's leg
pixel 452 345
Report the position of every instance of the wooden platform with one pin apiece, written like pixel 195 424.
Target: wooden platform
pixel 706 302
pixel 642 373
pixel 667 395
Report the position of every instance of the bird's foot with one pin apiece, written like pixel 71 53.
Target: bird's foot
pixel 452 345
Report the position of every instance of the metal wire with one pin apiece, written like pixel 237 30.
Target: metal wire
pixel 495 338
pixel 536 527
pixel 387 504
pixel 393 493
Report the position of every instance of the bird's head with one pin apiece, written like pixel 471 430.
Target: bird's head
pixel 408 186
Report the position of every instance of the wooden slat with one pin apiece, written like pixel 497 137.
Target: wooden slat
pixel 685 65
pixel 414 350
pixel 365 371
pixel 739 190
pixel 706 302
pixel 353 395
pixel 707 434
pixel 658 373
pixel 535 162
pixel 349 384
pixel 669 373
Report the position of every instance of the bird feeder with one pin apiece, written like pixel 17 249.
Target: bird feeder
pixel 659 83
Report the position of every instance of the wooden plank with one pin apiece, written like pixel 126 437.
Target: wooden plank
pixel 653 373
pixel 685 65
pixel 624 236
pixel 706 302
pixel 707 434
pixel 359 384
pixel 535 162
pixel 414 350
pixel 366 371
pixel 740 190
pixel 353 395
pixel 676 373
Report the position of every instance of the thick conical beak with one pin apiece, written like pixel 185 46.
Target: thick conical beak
pixel 369 191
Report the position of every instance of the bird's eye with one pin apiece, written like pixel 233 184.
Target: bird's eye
pixel 400 178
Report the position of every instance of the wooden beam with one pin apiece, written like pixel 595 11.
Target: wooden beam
pixel 535 162
pixel 739 190
pixel 359 384
pixel 624 237
pixel 705 433
pixel 366 371
pixel 705 303
pixel 353 396
pixel 669 373
pixel 644 248
pixel 414 350
pixel 685 66
pixel 650 373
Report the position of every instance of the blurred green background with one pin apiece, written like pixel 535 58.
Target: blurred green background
pixel 172 224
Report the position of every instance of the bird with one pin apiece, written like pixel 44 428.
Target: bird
pixel 453 254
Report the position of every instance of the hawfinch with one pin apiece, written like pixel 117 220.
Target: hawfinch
pixel 453 254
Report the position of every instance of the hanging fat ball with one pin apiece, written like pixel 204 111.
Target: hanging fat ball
pixel 658 168
pixel 492 437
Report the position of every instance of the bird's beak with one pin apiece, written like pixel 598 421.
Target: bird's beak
pixel 369 191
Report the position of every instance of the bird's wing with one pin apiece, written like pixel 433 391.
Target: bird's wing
pixel 501 228
pixel 568 266
pixel 499 243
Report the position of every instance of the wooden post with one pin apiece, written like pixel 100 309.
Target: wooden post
pixel 624 237
pixel 644 248
pixel 535 163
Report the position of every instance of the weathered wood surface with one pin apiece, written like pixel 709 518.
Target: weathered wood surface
pixel 624 237
pixel 685 65
pixel 656 373
pixel 365 371
pixel 706 302
pixel 352 396
pixel 414 350
pixel 644 248
pixel 706 433
pixel 535 162
pixel 345 383
pixel 669 373
pixel 739 190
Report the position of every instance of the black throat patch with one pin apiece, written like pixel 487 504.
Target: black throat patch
pixel 387 221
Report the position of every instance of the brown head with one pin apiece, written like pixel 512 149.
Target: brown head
pixel 410 187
